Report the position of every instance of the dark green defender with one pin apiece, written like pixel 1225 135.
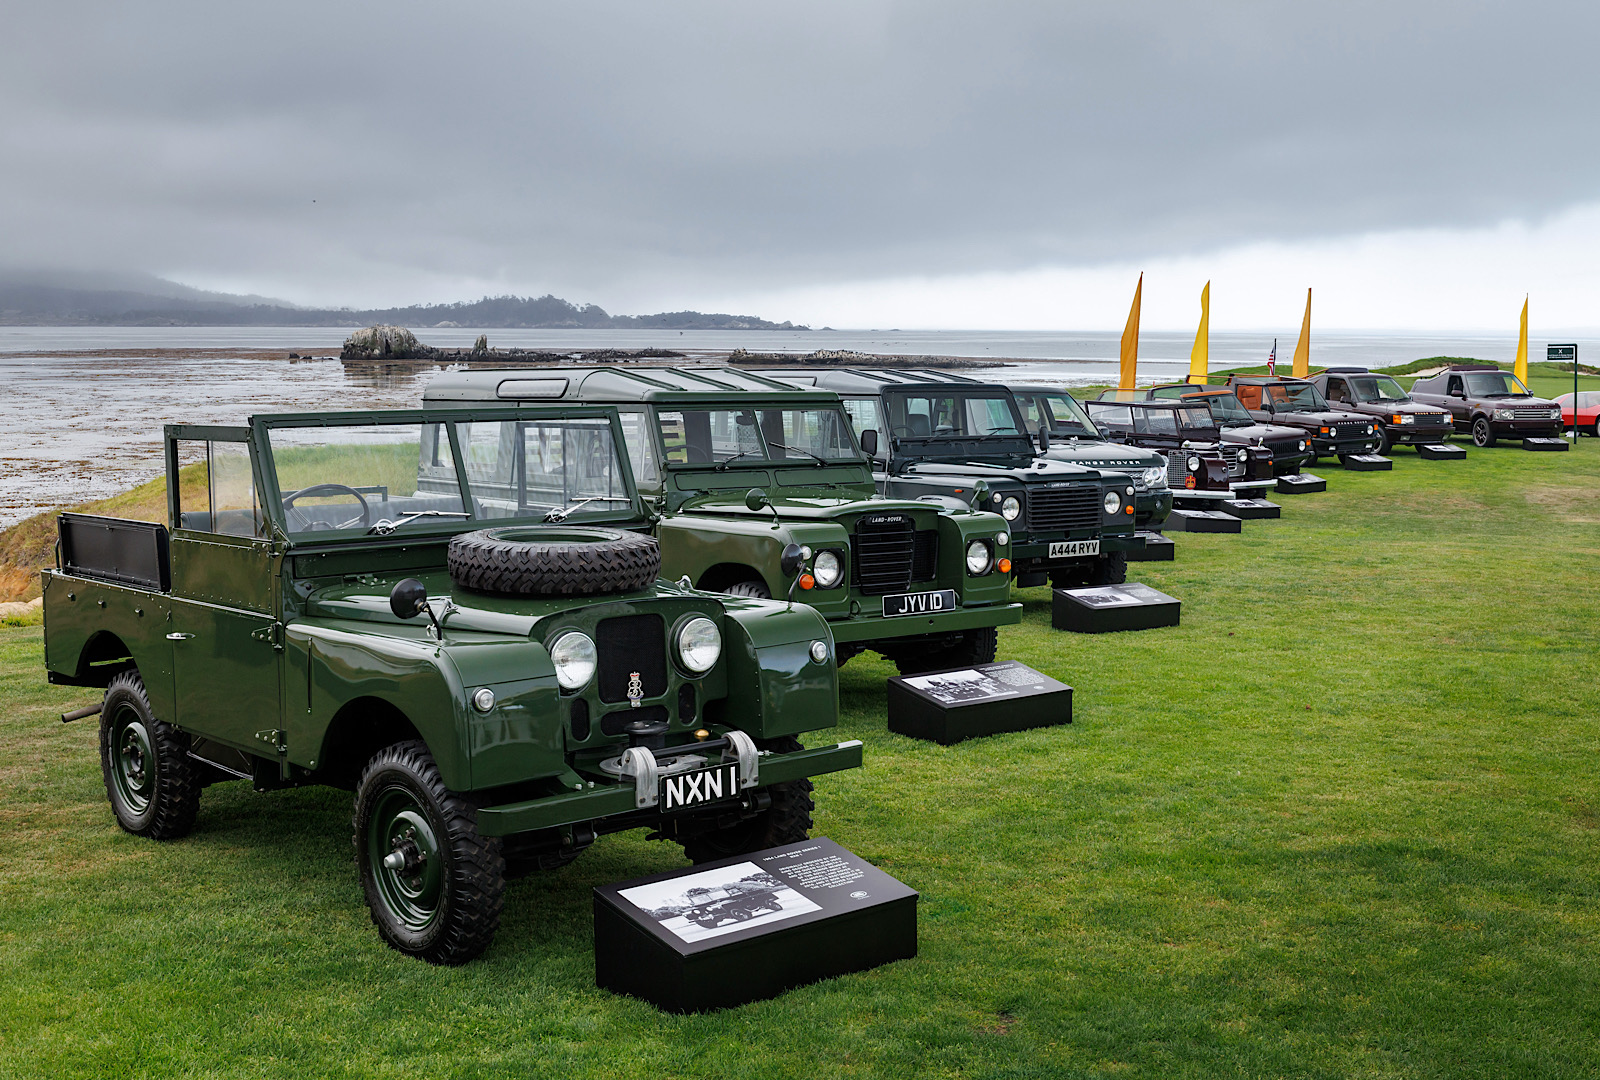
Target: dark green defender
pixel 361 600
pixel 968 442
pixel 742 472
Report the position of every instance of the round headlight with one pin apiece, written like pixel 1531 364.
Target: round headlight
pixel 1003 539
pixel 827 569
pixel 1193 463
pixel 574 657
pixel 819 651
pixel 1011 509
pixel 699 645
pixel 483 700
pixel 1113 502
pixel 977 558
pixel 1155 478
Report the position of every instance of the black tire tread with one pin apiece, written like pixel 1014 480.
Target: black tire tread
pixel 976 646
pixel 619 562
pixel 477 864
pixel 756 589
pixel 786 821
pixel 176 802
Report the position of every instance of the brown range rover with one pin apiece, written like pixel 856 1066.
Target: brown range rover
pixel 1490 403
pixel 1400 420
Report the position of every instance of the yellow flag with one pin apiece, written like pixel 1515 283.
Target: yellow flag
pixel 1130 340
pixel 1302 351
pixel 1200 355
pixel 1520 368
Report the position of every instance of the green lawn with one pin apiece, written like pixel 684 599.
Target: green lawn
pixel 1342 822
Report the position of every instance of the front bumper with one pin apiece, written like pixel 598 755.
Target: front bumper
pixel 1412 435
pixel 614 799
pixel 875 627
pixel 1528 429
pixel 1152 507
pixel 1328 446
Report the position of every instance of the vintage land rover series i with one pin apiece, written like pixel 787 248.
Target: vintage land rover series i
pixel 363 600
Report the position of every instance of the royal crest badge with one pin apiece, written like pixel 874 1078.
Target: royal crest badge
pixel 635 690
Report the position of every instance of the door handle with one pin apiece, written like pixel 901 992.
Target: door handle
pixel 179 637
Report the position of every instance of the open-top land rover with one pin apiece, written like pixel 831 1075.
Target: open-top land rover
pixel 1201 469
pixel 358 599
pixel 1400 420
pixel 967 443
pixel 1489 403
pixel 739 469
pixel 1297 403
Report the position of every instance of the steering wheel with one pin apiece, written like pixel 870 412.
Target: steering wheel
pixel 326 489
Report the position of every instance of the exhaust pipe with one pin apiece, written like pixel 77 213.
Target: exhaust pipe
pixel 80 714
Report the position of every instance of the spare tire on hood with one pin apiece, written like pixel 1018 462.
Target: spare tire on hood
pixel 553 560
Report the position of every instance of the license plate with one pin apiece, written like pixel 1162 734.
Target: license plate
pixel 919 603
pixel 698 786
pixel 1072 549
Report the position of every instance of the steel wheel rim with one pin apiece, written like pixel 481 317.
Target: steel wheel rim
pixel 414 893
pixel 133 766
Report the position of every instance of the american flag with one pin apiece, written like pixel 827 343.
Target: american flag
pixel 1272 358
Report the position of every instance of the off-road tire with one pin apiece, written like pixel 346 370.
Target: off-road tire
pixel 1110 569
pixel 786 821
pixel 756 589
pixel 1482 434
pixel 153 787
pixel 553 560
pixel 454 917
pixel 976 646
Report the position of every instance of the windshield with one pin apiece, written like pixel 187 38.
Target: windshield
pixel 1064 414
pixel 716 436
pixel 1377 389
pixel 1224 408
pixel 377 478
pixel 1293 397
pixel 1495 384
pixel 952 414
pixel 1194 418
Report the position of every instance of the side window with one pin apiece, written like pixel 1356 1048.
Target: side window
pixel 863 413
pixel 1336 390
pixel 217 490
pixel 641 448
pixel 1160 421
pixel 1455 385
pixel 1032 415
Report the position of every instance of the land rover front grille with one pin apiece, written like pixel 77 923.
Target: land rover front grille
pixel 885 554
pixel 924 555
pixel 1237 461
pixel 1175 469
pixel 627 645
pixel 1532 414
pixel 1064 509
pixel 1349 431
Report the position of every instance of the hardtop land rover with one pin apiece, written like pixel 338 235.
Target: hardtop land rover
pixel 1489 403
pixel 967 443
pixel 1400 420
pixel 1297 403
pixel 329 607
pixel 738 468
pixel 1290 446
pixel 1200 467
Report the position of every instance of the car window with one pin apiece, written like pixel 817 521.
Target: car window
pixel 1249 395
pixel 1454 386
pixel 1155 422
pixel 1336 390
pixel 863 413
pixel 1067 416
pixel 216 489
pixel 641 447
pixel 351 477
pixel 710 436
pixel 1032 411
pixel 954 414
pixel 1495 384
pixel 530 467
pixel 1112 415
pixel 1169 391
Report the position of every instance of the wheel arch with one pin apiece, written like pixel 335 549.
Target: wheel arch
pixel 719 576
pixel 359 729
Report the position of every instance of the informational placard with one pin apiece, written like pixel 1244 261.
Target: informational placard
pixel 1106 608
pixel 970 702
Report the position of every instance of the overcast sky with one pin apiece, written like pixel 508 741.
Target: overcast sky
pixel 1422 164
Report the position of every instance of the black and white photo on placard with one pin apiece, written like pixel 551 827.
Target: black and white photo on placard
pixel 717 902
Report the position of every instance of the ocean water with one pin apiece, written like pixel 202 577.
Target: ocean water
pixel 83 427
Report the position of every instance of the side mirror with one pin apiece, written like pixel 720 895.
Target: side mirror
pixel 980 494
pixel 408 598
pixel 1044 439
pixel 755 499
pixel 869 442
pixel 791 561
pixel 1458 393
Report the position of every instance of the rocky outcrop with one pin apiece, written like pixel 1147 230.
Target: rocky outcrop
pixel 384 343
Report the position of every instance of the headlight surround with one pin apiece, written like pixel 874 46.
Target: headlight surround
pixel 1112 502
pixel 979 558
pixel 828 569
pixel 1503 414
pixel 1011 508
pixel 699 645
pixel 575 659
pixel 1193 463
pixel 1155 478
pixel 1405 418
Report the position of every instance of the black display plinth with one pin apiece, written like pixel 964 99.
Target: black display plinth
pixel 1250 509
pixel 967 703
pixel 750 927
pixel 1197 521
pixel 1544 444
pixel 1106 608
pixel 1300 484
pixel 1157 548
pixel 1366 463
pixel 1441 452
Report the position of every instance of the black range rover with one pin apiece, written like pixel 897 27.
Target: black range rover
pixel 1297 403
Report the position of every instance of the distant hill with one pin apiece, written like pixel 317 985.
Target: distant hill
pixel 64 299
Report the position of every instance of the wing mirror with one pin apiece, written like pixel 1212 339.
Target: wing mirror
pixel 980 494
pixel 869 442
pixel 792 560
pixel 408 598
pixel 1044 439
pixel 755 500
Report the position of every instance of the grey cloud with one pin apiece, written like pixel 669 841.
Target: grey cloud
pixel 602 148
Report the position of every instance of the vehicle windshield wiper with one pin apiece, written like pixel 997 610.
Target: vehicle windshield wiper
pixel 818 458
pixel 384 528
pixel 561 513
pixel 725 462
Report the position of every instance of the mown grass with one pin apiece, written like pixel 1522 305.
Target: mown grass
pixel 1341 822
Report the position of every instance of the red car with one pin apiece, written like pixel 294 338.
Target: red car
pixel 1588 411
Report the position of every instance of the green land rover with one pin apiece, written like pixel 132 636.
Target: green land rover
pixel 355 599
pixel 739 469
